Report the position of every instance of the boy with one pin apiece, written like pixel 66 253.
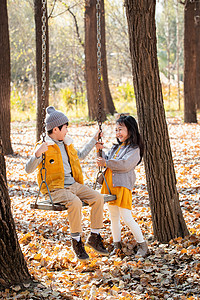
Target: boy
pixel 65 180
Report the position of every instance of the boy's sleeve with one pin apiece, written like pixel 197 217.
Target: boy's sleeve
pixel 86 149
pixel 32 163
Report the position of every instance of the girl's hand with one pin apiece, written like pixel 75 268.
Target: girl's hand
pixel 101 162
pixel 42 149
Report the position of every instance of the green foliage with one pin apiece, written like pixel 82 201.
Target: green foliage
pixel 67 97
pixel 124 98
pixel 22 41
pixel 172 104
pixel 126 92
pixel 70 98
pixel 22 103
pixel 67 56
pixel 15 100
pixel 171 14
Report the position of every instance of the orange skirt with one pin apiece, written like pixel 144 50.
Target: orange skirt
pixel 124 195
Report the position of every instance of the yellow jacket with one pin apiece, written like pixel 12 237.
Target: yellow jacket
pixel 55 170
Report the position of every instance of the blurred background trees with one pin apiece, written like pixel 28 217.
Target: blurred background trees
pixel 67 56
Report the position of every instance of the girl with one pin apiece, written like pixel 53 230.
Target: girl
pixel 120 176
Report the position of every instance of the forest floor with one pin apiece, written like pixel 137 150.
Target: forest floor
pixel 172 271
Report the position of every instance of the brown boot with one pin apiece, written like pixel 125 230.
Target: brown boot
pixel 95 242
pixel 79 250
pixel 117 247
pixel 142 249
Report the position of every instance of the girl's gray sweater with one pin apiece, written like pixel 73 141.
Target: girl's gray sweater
pixel 123 166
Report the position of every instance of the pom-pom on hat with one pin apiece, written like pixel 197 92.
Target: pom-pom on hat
pixel 54 118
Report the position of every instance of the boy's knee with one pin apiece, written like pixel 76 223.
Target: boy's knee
pixel 76 203
pixel 100 200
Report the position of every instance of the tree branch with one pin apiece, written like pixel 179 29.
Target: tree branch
pixel 77 29
pixel 54 4
pixel 75 20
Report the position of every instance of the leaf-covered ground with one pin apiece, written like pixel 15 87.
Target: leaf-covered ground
pixel 172 271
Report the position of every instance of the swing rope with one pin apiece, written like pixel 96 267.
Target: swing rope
pixel 99 79
pixel 98 17
pixel 45 205
pixel 43 170
pixel 99 101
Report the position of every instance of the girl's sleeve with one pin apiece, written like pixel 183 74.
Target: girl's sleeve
pixel 126 163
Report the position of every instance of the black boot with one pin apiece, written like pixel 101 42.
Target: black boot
pixel 95 241
pixel 79 250
pixel 117 248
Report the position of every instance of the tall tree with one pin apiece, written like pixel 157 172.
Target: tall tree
pixel 91 62
pixel 13 268
pixel 178 53
pixel 5 79
pixel 168 44
pixel 2 162
pixel 42 55
pixel 190 52
pixel 197 31
pixel 167 217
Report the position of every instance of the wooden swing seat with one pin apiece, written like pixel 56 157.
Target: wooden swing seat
pixel 47 205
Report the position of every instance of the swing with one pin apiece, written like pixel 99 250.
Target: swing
pixel 46 204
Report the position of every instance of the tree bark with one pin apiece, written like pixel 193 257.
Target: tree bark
pixel 5 78
pixel 91 63
pixel 13 268
pixel 2 163
pixel 177 55
pixel 197 32
pixel 190 107
pixel 168 42
pixel 168 221
pixel 38 35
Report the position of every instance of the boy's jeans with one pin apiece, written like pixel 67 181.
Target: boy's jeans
pixel 71 197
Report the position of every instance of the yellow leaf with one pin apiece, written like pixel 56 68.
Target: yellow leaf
pixel 184 250
pixel 115 288
pixel 38 256
pixel 64 229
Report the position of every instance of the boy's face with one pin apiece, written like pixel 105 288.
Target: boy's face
pixel 59 135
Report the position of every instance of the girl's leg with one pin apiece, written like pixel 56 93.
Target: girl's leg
pixel 115 222
pixel 130 222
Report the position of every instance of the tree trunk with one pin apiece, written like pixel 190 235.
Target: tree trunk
pixel 107 105
pixel 177 55
pixel 41 105
pixel 168 222
pixel 13 268
pixel 190 115
pixel 106 95
pixel 5 77
pixel 168 42
pixel 2 163
pixel 197 31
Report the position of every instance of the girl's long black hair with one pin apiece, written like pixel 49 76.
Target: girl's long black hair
pixel 135 138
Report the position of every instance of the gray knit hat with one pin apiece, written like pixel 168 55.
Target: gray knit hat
pixel 54 118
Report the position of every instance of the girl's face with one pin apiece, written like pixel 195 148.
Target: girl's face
pixel 121 132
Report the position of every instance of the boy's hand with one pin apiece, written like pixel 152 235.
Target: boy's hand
pixel 42 149
pixel 101 162
pixel 99 145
